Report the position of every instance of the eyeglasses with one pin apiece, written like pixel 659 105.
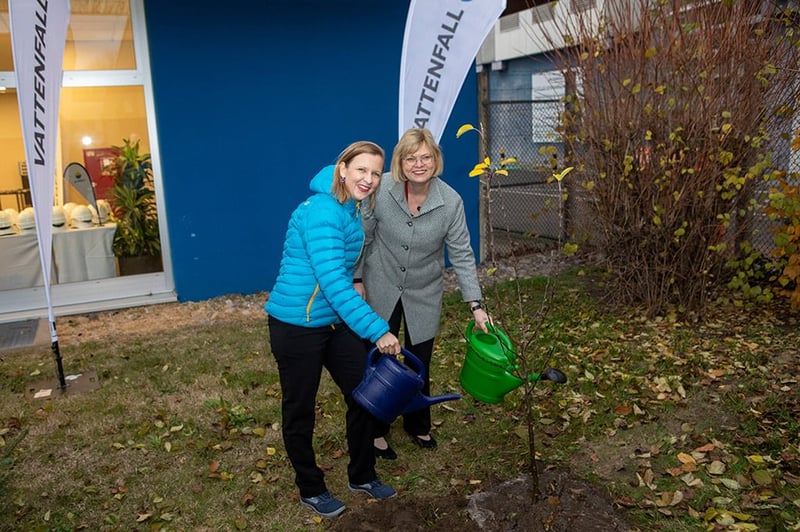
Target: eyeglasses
pixel 412 161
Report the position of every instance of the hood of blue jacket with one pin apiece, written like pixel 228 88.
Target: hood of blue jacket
pixel 323 181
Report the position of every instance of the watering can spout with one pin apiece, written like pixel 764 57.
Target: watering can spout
pixel 549 374
pixel 423 401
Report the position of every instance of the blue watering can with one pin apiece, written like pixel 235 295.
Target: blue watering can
pixel 390 387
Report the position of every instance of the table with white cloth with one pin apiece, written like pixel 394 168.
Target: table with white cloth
pixel 83 254
pixel 19 261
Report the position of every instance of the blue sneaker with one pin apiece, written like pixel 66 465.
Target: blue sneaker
pixel 325 504
pixel 375 489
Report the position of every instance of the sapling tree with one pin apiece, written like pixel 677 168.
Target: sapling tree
pixel 526 318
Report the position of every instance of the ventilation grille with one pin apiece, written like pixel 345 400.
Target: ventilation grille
pixel 542 13
pixel 509 22
pixel 582 5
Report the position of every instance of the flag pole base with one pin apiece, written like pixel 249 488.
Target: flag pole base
pixel 85 381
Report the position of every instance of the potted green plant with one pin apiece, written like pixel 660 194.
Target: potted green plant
pixel 137 243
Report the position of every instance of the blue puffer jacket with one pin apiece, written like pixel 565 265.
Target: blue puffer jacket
pixel 315 281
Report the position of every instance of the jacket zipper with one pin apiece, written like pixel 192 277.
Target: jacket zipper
pixel 311 302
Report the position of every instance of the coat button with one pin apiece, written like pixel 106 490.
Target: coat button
pixel 405 248
pixel 402 268
pixel 410 224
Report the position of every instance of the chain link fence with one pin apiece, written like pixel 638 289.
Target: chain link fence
pixel 524 210
pixel 523 207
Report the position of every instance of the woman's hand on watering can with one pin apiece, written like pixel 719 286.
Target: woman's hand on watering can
pixel 388 344
pixel 481 319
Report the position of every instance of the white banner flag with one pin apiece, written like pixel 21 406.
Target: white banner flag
pixel 441 40
pixel 38 36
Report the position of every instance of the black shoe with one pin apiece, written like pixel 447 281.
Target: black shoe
pixel 425 444
pixel 386 454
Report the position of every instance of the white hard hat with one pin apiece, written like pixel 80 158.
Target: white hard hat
pixel 26 221
pixel 68 210
pixel 6 224
pixel 81 216
pixel 12 215
pixel 104 211
pixel 104 214
pixel 59 220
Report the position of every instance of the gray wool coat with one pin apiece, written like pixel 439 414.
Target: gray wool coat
pixel 403 256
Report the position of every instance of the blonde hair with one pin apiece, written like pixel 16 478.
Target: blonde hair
pixel 338 188
pixel 411 141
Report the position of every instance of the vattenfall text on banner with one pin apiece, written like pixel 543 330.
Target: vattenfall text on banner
pixel 441 40
pixel 38 36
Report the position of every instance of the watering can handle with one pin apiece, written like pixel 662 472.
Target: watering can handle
pixel 371 356
pixel 374 354
pixel 489 327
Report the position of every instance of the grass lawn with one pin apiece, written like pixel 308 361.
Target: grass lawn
pixel 685 426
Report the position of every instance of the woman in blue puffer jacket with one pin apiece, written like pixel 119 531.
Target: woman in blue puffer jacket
pixel 317 319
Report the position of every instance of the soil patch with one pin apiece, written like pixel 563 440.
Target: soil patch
pixel 565 504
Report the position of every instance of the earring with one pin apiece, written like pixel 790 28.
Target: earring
pixel 342 179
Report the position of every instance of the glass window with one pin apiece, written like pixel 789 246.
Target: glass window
pixel 6 61
pixel 103 103
pixel 99 37
pixel 93 120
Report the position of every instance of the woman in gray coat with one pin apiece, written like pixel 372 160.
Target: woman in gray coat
pixel 415 218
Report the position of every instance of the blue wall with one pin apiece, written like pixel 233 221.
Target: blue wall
pixel 252 98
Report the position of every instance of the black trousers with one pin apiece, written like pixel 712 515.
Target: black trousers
pixel 301 353
pixel 418 422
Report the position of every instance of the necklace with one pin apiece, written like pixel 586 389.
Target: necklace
pixel 414 205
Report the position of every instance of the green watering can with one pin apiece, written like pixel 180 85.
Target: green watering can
pixel 488 373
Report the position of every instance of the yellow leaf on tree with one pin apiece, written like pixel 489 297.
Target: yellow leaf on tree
pixel 563 172
pixel 569 249
pixel 463 129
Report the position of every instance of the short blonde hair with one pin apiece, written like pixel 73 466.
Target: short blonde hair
pixel 410 142
pixel 338 188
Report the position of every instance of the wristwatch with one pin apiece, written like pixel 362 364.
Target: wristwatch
pixel 475 307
